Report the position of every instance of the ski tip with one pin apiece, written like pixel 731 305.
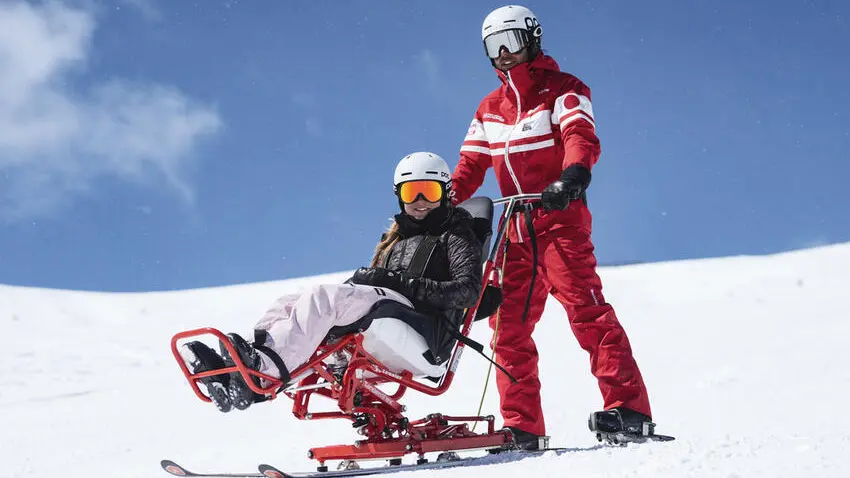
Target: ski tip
pixel 271 472
pixel 173 468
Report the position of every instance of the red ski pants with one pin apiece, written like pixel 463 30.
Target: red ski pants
pixel 566 269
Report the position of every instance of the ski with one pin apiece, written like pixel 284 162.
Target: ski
pixel 445 461
pixel 507 456
pixel 623 439
pixel 178 470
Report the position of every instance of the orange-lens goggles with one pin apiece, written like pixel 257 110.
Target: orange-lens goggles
pixel 431 191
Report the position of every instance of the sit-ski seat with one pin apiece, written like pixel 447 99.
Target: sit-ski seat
pixel 398 345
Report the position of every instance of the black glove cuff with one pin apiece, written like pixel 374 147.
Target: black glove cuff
pixel 576 174
pixel 409 287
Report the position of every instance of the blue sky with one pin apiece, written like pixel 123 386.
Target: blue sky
pixel 152 144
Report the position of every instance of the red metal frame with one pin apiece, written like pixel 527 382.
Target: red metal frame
pixel 377 415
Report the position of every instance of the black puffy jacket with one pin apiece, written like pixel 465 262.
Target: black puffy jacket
pixel 450 281
pixel 452 275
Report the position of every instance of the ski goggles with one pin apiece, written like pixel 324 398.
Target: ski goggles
pixel 512 40
pixel 430 190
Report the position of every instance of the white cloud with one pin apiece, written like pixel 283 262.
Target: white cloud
pixel 429 63
pixel 307 102
pixel 147 8
pixel 56 141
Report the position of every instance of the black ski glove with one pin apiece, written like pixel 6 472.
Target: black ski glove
pixel 378 277
pixel 574 181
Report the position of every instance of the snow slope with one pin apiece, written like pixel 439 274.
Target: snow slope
pixel 745 359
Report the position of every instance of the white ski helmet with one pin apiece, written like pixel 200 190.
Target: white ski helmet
pixel 511 26
pixel 423 165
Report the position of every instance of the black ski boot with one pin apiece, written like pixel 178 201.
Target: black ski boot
pixel 522 440
pixel 201 358
pixel 241 395
pixel 620 425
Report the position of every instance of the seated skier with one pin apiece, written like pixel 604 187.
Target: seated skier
pixel 429 288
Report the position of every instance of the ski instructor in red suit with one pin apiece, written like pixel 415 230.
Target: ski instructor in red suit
pixel 537 132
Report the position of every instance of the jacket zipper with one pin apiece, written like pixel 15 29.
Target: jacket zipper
pixel 507 148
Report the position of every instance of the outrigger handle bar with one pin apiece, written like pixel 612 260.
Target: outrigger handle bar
pixel 514 203
pixel 524 198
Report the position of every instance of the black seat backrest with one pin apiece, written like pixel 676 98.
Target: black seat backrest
pixel 481 210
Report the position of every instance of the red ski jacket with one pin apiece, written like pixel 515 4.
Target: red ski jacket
pixel 529 130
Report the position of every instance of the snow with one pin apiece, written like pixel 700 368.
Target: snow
pixel 745 359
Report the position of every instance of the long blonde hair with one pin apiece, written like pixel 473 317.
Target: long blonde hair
pixel 388 240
